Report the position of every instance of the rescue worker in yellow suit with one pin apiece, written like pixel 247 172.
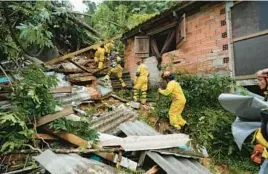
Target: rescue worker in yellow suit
pixel 108 47
pixel 261 135
pixel 118 70
pixel 178 101
pixel 100 56
pixel 141 82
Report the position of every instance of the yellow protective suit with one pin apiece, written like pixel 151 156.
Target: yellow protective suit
pixel 118 70
pixel 261 140
pixel 177 105
pixel 108 47
pixel 100 57
pixel 141 83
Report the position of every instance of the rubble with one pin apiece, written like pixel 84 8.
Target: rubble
pixel 83 94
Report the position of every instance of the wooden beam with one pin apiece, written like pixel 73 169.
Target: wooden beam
pixel 95 46
pixel 253 76
pixel 44 136
pixel 67 89
pixel 81 67
pixel 251 36
pixel 51 117
pixel 71 138
pixel 153 170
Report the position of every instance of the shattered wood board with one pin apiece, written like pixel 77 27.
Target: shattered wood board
pixel 95 46
pixel 67 89
pixel 82 79
pixel 49 118
pixel 125 162
pixel 70 138
pixel 138 143
pixel 71 164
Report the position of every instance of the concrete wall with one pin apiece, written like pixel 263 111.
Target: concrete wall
pixel 202 52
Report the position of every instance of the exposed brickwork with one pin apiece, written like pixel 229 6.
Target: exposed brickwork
pixel 202 52
pixel 204 44
pixel 130 59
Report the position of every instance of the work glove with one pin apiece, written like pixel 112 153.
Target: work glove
pixel 159 89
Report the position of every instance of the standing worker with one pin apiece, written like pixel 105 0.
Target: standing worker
pixel 100 56
pixel 178 101
pixel 108 47
pixel 116 68
pixel 141 82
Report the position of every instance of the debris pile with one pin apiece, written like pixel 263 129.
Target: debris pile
pixel 92 130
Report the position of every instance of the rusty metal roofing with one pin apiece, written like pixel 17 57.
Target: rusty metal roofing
pixel 169 163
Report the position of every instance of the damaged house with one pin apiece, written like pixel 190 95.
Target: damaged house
pixel 226 38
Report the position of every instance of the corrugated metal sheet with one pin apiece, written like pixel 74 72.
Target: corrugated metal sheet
pixel 174 165
pixel 71 164
pixel 109 122
pixel 138 143
pixel 168 163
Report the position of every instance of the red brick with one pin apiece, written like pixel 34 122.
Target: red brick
pixel 205 40
pixel 204 18
pixel 222 42
pixel 210 21
pixel 206 51
pixel 209 44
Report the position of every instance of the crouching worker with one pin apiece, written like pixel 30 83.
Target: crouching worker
pixel 141 82
pixel 118 70
pixel 260 153
pixel 174 90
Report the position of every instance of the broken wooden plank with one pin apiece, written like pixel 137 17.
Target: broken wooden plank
pixel 153 170
pixel 124 162
pixel 67 89
pixel 81 67
pixel 78 75
pixel 71 138
pixel 82 79
pixel 95 46
pixel 119 98
pixel 51 117
pixel 44 136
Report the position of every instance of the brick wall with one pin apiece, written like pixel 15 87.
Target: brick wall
pixel 130 59
pixel 203 51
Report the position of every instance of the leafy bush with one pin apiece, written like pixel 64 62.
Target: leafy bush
pixel 31 95
pixel 13 131
pixel 209 123
pixel 80 128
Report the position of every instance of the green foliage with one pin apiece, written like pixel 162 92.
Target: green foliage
pixel 209 124
pixel 38 35
pixel 201 91
pixel 13 131
pixel 32 93
pixel 80 128
pixel 112 18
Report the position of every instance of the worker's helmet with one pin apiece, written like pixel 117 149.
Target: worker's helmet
pixel 167 75
pixel 139 61
pixel 113 64
pixel 263 73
